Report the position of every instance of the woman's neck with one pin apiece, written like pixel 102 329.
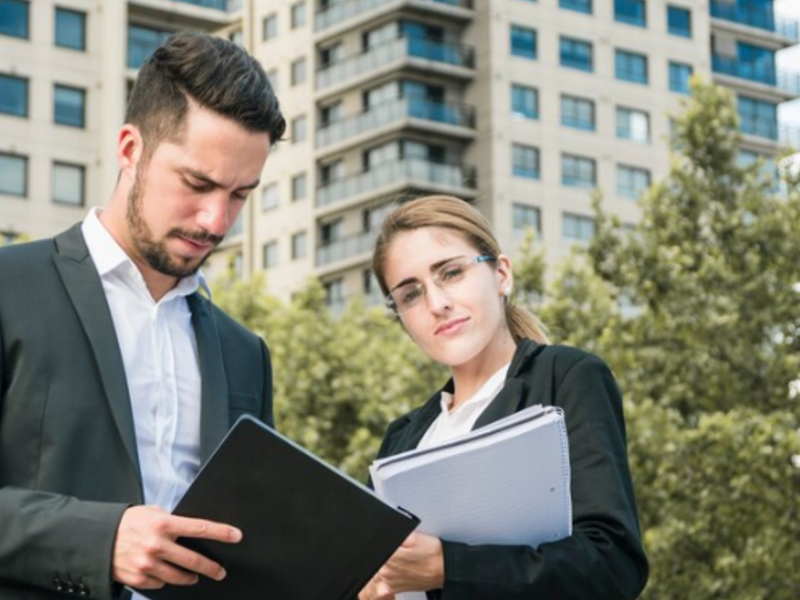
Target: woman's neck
pixel 470 377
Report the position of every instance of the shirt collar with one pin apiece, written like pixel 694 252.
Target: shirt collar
pixel 109 256
pixel 487 392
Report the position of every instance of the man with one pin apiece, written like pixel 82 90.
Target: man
pixel 117 378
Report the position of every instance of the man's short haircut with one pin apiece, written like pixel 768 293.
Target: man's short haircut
pixel 214 73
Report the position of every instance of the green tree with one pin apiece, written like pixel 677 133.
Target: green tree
pixel 696 310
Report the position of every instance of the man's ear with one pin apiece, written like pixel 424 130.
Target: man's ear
pixel 130 147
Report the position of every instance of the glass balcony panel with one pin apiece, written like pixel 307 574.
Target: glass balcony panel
pixel 392 172
pixel 761 17
pixel 336 12
pixel 346 247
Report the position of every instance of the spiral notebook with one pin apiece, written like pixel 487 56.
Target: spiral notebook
pixel 506 483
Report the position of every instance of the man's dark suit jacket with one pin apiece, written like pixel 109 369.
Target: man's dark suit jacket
pixel 604 558
pixel 68 458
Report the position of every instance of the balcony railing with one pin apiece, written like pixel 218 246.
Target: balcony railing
pixel 392 111
pixel 404 171
pixel 458 55
pixel 789 135
pixel 786 81
pixel 217 4
pixel 336 12
pixel 759 17
pixel 346 247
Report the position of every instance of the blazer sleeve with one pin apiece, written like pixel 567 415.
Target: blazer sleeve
pixel 604 558
pixel 52 541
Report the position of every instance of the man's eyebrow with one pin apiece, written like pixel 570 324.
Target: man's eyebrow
pixel 434 267
pixel 206 179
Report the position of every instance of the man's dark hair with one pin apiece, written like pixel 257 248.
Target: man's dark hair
pixel 216 74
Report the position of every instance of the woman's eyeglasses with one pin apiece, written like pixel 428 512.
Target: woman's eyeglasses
pixel 409 294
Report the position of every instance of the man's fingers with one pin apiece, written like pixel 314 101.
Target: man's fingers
pixel 191 562
pixel 200 528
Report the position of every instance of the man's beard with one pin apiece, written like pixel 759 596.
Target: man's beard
pixel 154 252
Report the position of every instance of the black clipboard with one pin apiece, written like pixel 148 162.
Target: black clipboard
pixel 310 532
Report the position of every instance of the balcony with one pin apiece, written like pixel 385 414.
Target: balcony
pixel 338 12
pixel 756 17
pixel 404 173
pixel 346 247
pixel 456 58
pixel 395 111
pixel 785 81
pixel 789 136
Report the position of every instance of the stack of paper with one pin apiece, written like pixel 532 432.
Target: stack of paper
pixel 506 483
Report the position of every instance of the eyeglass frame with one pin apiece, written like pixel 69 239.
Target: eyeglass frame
pixel 390 303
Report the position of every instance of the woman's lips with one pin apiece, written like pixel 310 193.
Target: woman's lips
pixel 450 327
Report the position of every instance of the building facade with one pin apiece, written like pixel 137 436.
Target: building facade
pixel 522 107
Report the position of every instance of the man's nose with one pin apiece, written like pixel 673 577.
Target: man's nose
pixel 214 215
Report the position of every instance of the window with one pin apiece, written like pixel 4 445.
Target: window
pixel 69 106
pixel 755 63
pixel 630 66
pixel 525 161
pixel 270 254
pixel 633 125
pixel 334 293
pixel 330 113
pixel 298 71
pixel 272 75
pixel 299 187
pixel 14 18
pixel 584 6
pixel 330 55
pixel 632 181
pixel 299 127
pixel 578 171
pixel 68 184
pixel 679 21
pixel 577 113
pixel 679 75
pixel 331 232
pixel 70 29
pixel 523 42
pixel 13 96
pixel 298 15
pixel 576 54
pixel 632 12
pixel 524 101
pixel 758 117
pixel 270 27
pixel 299 245
pixel 525 217
pixel 270 197
pixel 142 41
pixel 13 175
pixel 576 228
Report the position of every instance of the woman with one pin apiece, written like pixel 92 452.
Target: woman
pixel 445 278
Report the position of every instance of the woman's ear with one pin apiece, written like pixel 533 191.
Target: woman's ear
pixel 504 274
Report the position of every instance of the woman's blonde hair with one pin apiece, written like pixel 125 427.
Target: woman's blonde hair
pixel 448 212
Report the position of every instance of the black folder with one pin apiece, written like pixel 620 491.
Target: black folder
pixel 310 532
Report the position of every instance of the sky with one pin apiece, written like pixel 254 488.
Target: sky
pixel 789 60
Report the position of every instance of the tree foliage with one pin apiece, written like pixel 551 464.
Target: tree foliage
pixel 696 310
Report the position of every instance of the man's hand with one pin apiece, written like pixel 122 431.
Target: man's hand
pixel 146 555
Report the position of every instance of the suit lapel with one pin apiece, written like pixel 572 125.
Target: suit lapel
pixel 420 422
pixel 513 396
pixel 214 415
pixel 83 285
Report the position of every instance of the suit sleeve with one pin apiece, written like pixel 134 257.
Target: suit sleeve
pixel 604 558
pixel 52 541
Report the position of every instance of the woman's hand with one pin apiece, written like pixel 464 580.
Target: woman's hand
pixel 376 589
pixel 418 564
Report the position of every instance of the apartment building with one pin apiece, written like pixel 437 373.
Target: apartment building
pixel 520 106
